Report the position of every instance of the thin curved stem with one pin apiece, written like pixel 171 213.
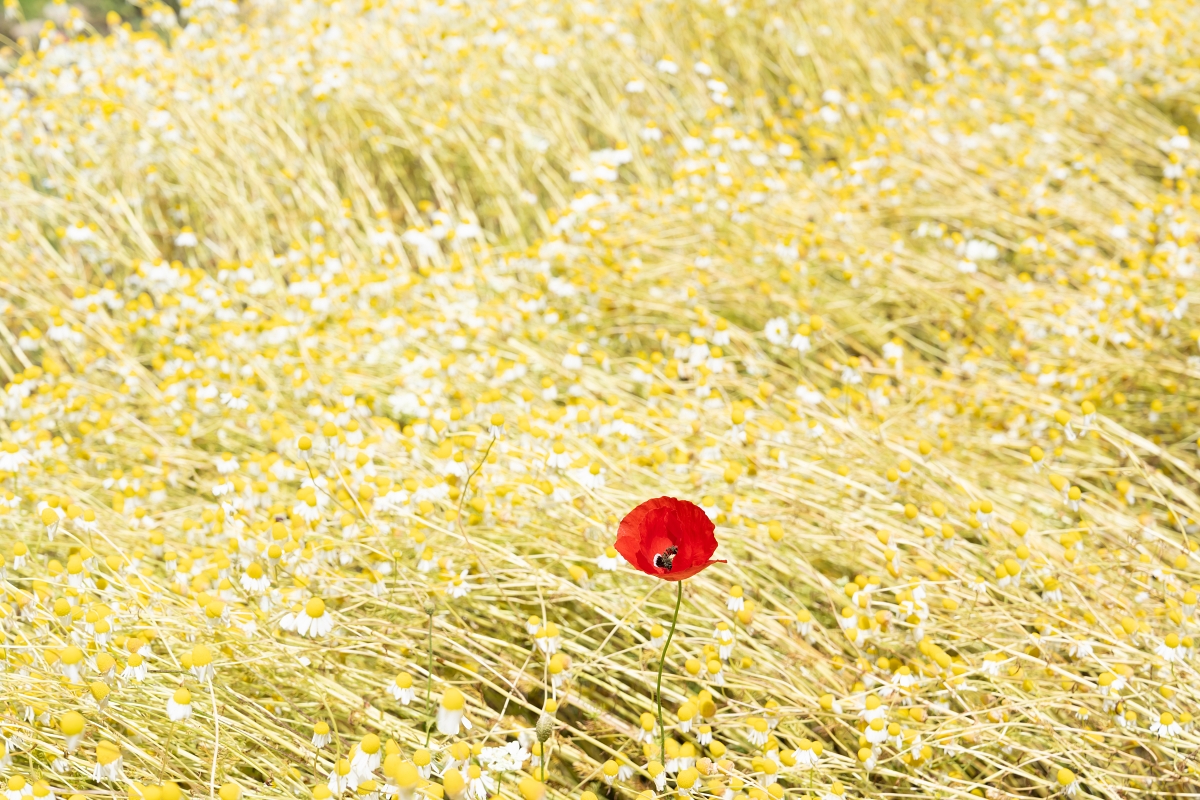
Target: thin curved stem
pixel 212 776
pixel 662 731
pixel 429 685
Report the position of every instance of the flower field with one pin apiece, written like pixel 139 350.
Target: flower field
pixel 338 339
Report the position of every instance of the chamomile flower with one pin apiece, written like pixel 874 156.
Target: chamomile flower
pixel 758 730
pixel 201 665
pixel 254 580
pixel 72 725
pixel 479 783
pixel 558 458
pixel 609 560
pixel 873 709
pixel 658 775
pixel 496 425
pixel 450 712
pixel 135 668
pixel 459 585
pixel 686 714
pixel 13 458
pixel 724 638
pixel 1166 726
pixel 79 232
pixel 876 732
pixel 402 777
pixel 109 762
pixel 559 668
pixel 657 636
pixel 548 639
pixel 776 331
pixel 1068 783
pixel 341 777
pixel 41 790
pixel 426 563
pixel 18 788
pixel 808 753
pixel 1080 647
pixel 423 759
pixel 314 620
pixel 454 784
pixel 179 705
pixel 72 664
pixel 647 728
pixel 401 688
pixel 1171 649
pixel 367 757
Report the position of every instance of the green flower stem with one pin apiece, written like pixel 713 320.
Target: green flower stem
pixel 662 731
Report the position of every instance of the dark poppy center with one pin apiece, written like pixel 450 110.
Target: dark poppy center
pixel 666 559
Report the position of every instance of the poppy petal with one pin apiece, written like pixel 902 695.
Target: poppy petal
pixel 689 572
pixel 695 534
pixel 649 529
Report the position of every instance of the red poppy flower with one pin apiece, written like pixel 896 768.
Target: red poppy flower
pixel 667 538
